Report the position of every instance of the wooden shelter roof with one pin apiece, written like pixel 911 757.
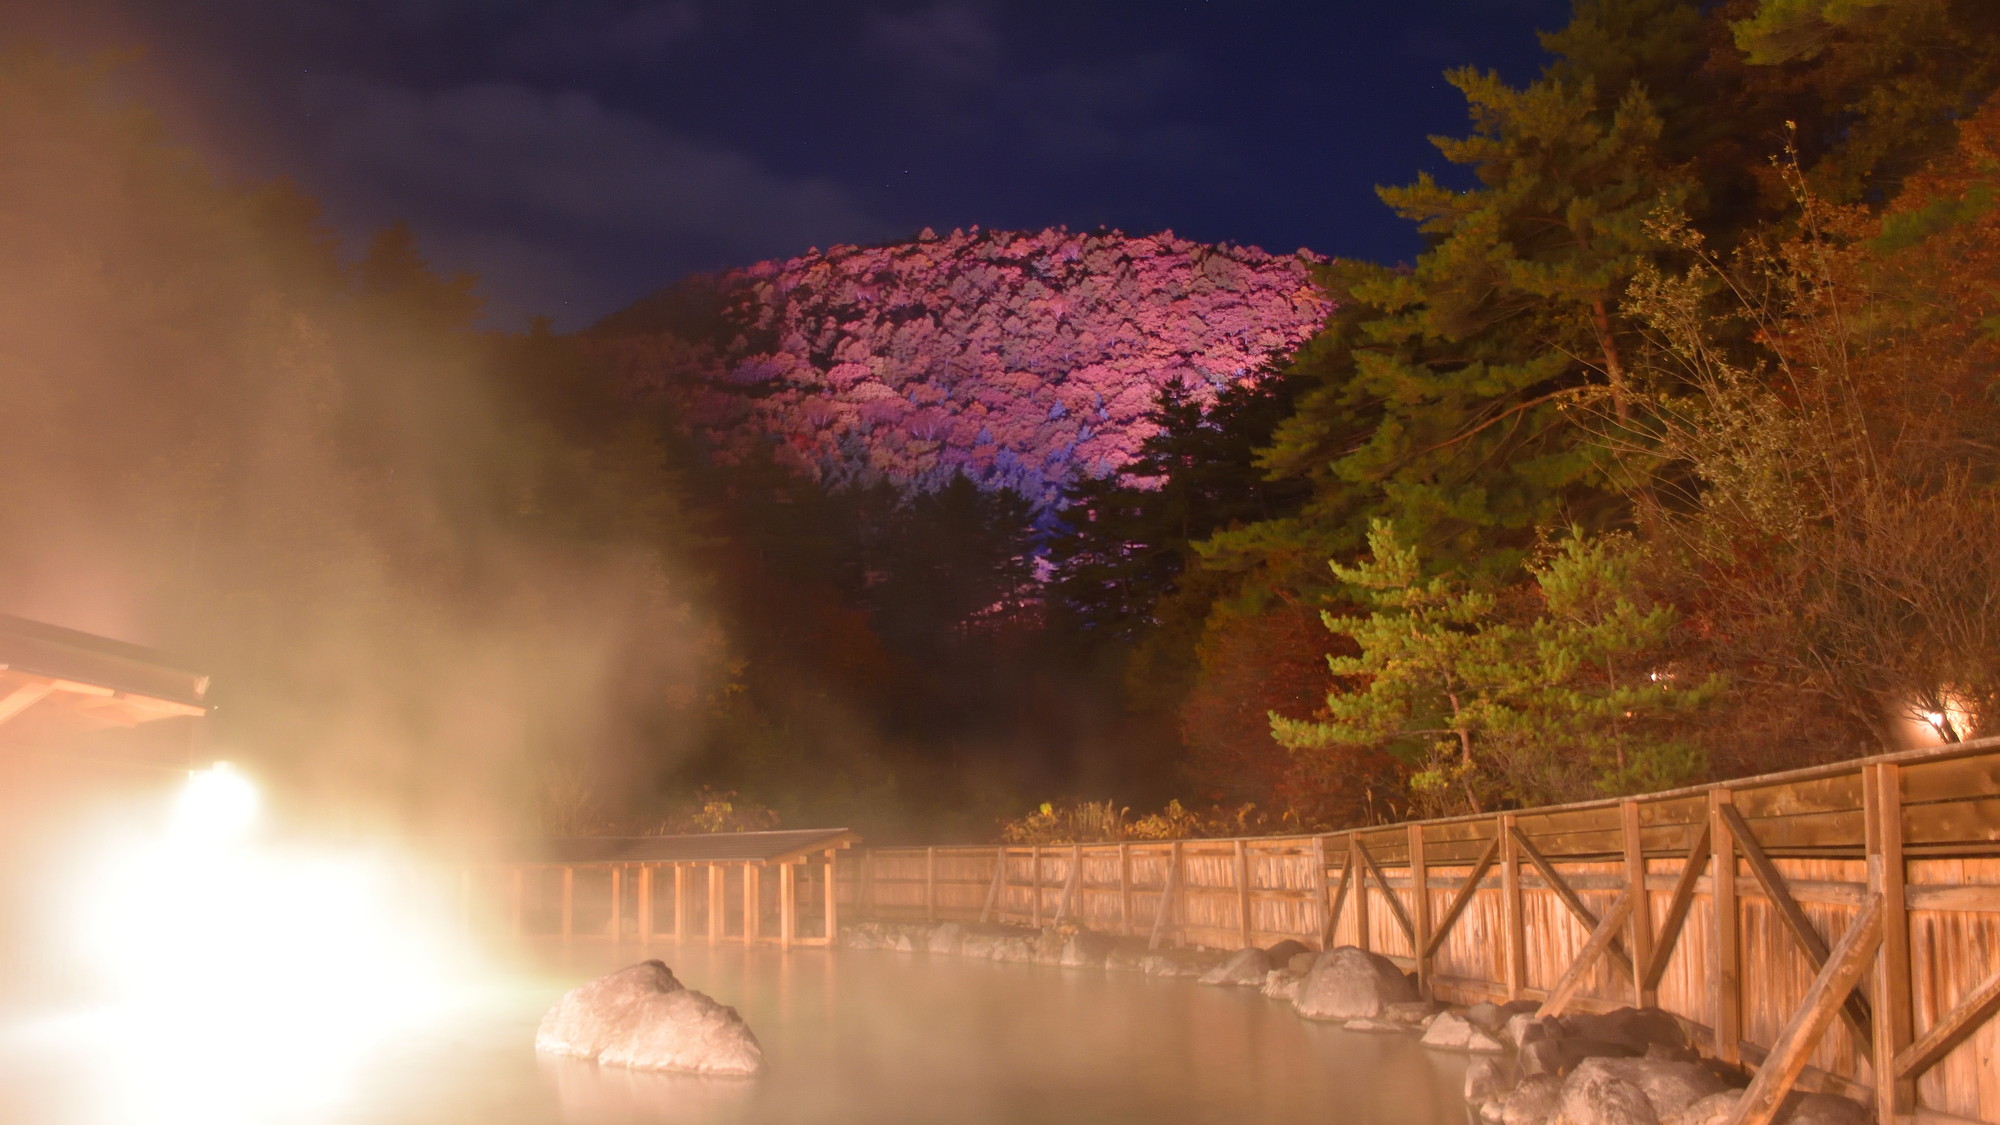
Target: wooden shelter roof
pixel 89 681
pixel 713 847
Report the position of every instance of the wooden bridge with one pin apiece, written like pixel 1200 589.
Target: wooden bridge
pixel 1822 927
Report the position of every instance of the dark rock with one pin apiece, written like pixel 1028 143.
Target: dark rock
pixel 946 938
pixel 1246 967
pixel 643 1018
pixel 1484 1080
pixel 1670 1086
pixel 1349 983
pixel 1596 1096
pixel 1282 953
pixel 1049 946
pixel 1672 1054
pixel 1531 1102
pixel 1716 1109
pixel 1559 1056
pixel 1417 1013
pixel 1823 1109
pixel 1634 1028
pixel 1085 949
pixel 1302 963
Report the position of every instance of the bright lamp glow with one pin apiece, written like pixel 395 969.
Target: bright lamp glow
pixel 244 981
pixel 217 806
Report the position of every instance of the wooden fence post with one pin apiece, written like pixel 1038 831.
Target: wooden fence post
pixel 568 899
pixel 1882 801
pixel 753 903
pixel 997 887
pixel 1640 941
pixel 680 902
pixel 864 891
pixel 1420 912
pixel 1323 915
pixel 832 897
pixel 1035 883
pixel 716 910
pixel 1124 890
pixel 930 884
pixel 645 903
pixel 1726 974
pixel 1512 918
pixel 1243 893
pixel 1360 892
pixel 788 890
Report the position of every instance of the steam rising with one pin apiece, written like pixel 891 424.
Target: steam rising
pixel 391 542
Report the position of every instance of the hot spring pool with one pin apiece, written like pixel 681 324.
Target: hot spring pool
pixel 872 1038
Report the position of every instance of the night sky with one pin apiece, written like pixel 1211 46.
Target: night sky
pixel 579 154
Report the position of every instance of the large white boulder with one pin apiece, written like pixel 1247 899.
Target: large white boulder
pixel 643 1018
pixel 1349 983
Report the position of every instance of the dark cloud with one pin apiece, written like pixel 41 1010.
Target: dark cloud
pixel 505 178
pixel 578 153
pixel 950 43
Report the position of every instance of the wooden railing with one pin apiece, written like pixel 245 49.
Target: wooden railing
pixel 1842 921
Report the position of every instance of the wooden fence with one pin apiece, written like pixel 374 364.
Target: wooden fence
pixel 1839 923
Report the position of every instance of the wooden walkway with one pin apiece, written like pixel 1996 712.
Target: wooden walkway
pixel 1822 927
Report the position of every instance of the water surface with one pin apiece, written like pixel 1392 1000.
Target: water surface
pixel 865 1037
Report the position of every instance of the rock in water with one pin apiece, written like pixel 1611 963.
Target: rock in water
pixel 1349 983
pixel 1594 1096
pixel 1244 967
pixel 641 1017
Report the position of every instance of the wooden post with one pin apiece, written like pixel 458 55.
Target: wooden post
pixel 1360 892
pixel 1845 965
pixel 568 899
pixel 753 903
pixel 520 900
pixel 1323 914
pixel 1420 913
pixel 645 903
pixel 930 884
pixel 680 902
pixel 1726 974
pixel 1882 800
pixel 617 903
pixel 1242 893
pixel 1066 898
pixel 832 899
pixel 1640 941
pixel 995 888
pixel 1035 860
pixel 787 910
pixel 1514 921
pixel 1169 892
pixel 716 910
pixel 864 891
pixel 1073 898
pixel 1124 890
